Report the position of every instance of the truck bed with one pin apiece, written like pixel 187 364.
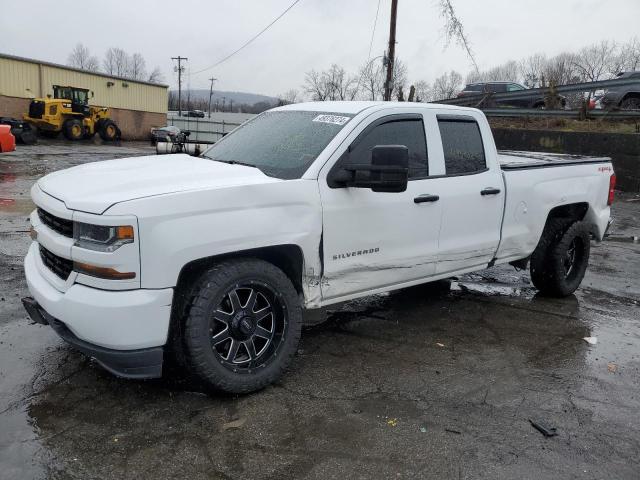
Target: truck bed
pixel 516 160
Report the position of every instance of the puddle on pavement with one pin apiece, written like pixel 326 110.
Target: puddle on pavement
pixel 507 285
pixel 12 206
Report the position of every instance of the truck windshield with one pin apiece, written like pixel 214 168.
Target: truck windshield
pixel 280 144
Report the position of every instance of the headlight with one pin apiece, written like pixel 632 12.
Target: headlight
pixel 101 238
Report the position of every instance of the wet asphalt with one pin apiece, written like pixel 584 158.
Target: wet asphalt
pixel 437 381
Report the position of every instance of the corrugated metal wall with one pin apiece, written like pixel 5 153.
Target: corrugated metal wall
pixel 24 79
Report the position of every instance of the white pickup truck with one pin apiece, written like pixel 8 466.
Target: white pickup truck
pixel 213 259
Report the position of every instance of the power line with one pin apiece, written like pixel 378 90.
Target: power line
pixel 373 33
pixel 250 40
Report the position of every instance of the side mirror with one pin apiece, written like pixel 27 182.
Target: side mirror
pixel 186 133
pixel 387 172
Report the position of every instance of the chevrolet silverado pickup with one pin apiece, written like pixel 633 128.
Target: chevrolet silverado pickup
pixel 211 260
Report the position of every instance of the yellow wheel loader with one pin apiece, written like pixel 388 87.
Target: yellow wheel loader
pixel 69 112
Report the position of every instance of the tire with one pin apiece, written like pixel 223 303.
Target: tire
pixel 73 129
pixel 108 131
pixel 561 258
pixel 630 103
pixel 48 133
pixel 230 340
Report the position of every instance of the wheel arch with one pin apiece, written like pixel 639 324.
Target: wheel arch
pixel 628 95
pixel 287 257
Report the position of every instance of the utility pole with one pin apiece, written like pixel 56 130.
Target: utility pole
pixel 211 94
pixel 224 99
pixel 179 69
pixel 392 50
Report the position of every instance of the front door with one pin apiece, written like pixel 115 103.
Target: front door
pixel 374 239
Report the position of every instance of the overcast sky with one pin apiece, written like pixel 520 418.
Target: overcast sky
pixel 314 34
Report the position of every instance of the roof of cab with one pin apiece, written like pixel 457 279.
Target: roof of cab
pixel 355 107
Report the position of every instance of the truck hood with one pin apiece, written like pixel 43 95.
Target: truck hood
pixel 94 187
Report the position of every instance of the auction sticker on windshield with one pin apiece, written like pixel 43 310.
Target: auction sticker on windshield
pixel 336 119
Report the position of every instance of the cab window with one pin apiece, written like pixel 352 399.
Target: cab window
pixel 462 145
pixel 407 132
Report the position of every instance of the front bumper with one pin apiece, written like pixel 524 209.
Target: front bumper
pixel 109 325
pixel 141 363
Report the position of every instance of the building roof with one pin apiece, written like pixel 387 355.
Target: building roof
pixel 73 69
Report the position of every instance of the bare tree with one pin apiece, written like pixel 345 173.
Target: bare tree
pixel 332 84
pixel 454 30
pixel 561 70
pixel 343 85
pixel 424 92
pixel 594 62
pixel 156 76
pixel 288 97
pixel 80 57
pixel 399 76
pixel 447 85
pixel 117 62
pixel 532 70
pixel 507 72
pixel 137 67
pixel 628 57
pixel 372 81
pixel 316 85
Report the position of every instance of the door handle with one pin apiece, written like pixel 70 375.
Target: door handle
pixel 490 191
pixel 426 198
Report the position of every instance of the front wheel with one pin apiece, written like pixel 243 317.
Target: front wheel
pixel 108 131
pixel 560 261
pixel 243 325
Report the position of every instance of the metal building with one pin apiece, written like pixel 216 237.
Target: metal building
pixel 136 106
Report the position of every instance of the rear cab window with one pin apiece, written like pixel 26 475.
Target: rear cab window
pixel 462 145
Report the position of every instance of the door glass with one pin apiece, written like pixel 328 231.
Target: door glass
pixel 462 145
pixel 409 133
pixel 514 87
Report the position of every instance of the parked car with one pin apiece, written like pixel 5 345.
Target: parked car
pixel 195 113
pixel 7 140
pixel 625 98
pixel 212 259
pixel 164 134
pixel 537 101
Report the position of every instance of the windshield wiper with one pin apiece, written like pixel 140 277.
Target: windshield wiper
pixel 234 162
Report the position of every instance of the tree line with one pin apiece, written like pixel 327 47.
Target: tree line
pixel 599 61
pixel 116 61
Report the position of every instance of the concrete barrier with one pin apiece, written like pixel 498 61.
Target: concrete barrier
pixel 623 148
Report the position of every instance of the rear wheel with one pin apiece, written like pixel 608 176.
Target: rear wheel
pixel 243 325
pixel 561 258
pixel 108 131
pixel 73 129
pixel 631 103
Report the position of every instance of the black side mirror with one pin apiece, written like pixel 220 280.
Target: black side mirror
pixel 186 133
pixel 387 172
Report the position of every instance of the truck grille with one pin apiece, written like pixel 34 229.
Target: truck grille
pixel 36 109
pixel 57 224
pixel 58 265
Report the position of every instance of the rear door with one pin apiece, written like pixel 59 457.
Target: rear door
pixel 473 195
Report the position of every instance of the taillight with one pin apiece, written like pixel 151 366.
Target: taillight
pixel 612 189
